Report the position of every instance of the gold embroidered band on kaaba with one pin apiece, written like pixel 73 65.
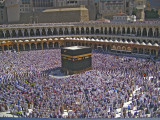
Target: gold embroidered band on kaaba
pixel 75 58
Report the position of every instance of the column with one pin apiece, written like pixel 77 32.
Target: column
pixel 42 45
pixel 47 45
pixel 121 30
pixel 69 31
pixel 147 31
pixel 136 30
pixel 156 53
pixel 29 46
pixel 4 32
pixel 16 30
pixel 141 31
pixel 36 45
pixel 2 48
pixel 22 32
pixel 28 30
pixel 23 46
pixel 40 30
pixel 53 44
pixel 153 31
pixel 17 47
pixel 10 32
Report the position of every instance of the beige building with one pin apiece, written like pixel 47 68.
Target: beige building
pixel 3 12
pixel 73 14
pixel 109 8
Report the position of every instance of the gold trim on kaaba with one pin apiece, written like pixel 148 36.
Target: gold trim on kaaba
pixel 78 56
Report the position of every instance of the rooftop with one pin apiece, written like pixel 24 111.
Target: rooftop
pixel 75 47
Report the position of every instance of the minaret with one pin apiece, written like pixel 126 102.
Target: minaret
pixel 140 6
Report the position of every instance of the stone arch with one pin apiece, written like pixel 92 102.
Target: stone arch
pixel 146 51
pixel 123 40
pixel 66 31
pixel 150 32
pixel 156 33
pixel 31 32
pixel 33 46
pixel 50 45
pixel 5 47
pixel 79 44
pixel 118 31
pixel 49 32
pixel 7 34
pixel 83 44
pixel 14 33
pixel 155 42
pixel 140 50
pixel 1 34
pixel 67 44
pixel 129 48
pixel 139 41
pixel 20 47
pixel 26 33
pixel 135 50
pixel 92 30
pixel 39 47
pixel 139 32
pixel 72 31
pixel 144 33
pixel 15 47
pixel 72 44
pixel 90 44
pixel 60 31
pixel 75 43
pixel 82 30
pixel 153 52
pixel 43 32
pixel 123 30
pixel 27 47
pixel 87 30
pixel 119 48
pixel 134 31
pixel 95 46
pixel 56 45
pixel 114 47
pixel 145 41
pixel 150 41
pixel 108 48
pixel 123 48
pixel 55 31
pixel 128 31
pixel 38 32
pixel 10 47
pixel 128 40
pixel 97 31
pixel 44 45
pixel 77 30
pixel 20 33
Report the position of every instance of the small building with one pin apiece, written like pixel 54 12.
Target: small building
pixel 76 59
pixel 122 17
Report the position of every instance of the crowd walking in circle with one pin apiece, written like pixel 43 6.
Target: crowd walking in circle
pixel 116 87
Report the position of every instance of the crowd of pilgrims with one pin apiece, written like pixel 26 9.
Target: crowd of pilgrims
pixel 117 86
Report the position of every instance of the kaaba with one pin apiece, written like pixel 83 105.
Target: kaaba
pixel 76 59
